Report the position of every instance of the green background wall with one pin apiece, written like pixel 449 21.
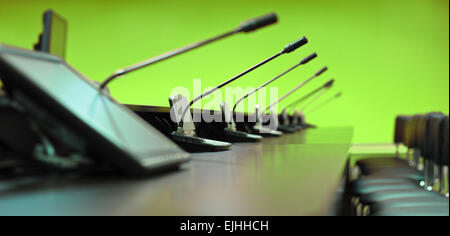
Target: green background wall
pixel 388 56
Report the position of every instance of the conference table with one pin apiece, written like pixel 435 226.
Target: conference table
pixel 296 174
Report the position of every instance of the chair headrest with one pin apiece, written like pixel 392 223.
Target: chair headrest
pixel 408 133
pixel 433 141
pixel 400 124
pixel 420 128
pixel 445 144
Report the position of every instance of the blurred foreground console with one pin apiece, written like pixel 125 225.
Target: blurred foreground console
pixel 70 123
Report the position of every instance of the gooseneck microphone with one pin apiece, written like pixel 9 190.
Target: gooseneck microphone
pixel 288 49
pixel 322 104
pixel 245 27
pixel 328 84
pixel 302 62
pixel 314 99
pixel 318 73
pixel 230 133
pixel 321 90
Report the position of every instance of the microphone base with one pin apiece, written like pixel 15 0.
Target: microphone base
pixel 287 129
pixel 197 144
pixel 241 137
pixel 309 126
pixel 297 127
pixel 304 126
pixel 267 132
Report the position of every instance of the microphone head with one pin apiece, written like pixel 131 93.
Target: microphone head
pixel 321 71
pixel 308 58
pixel 256 23
pixel 329 84
pixel 295 45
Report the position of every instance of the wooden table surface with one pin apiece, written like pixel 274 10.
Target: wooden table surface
pixel 296 174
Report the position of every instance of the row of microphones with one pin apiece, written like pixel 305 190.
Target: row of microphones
pixel 288 49
pixel 324 103
pixel 259 128
pixel 302 62
pixel 325 86
pixel 297 121
pixel 230 132
pixel 246 27
pixel 187 137
pixel 317 74
pixel 316 98
pixel 185 134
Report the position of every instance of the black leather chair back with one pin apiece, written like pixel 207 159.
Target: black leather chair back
pixel 400 124
pixel 444 155
pixel 433 141
pixel 419 135
pixel 408 132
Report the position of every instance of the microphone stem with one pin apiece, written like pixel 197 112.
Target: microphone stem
pixel 314 99
pixel 304 98
pixel 289 93
pixel 263 85
pixel 323 103
pixel 163 57
pixel 227 82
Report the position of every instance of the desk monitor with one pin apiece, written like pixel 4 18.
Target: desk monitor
pixel 54 35
pixel 107 128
